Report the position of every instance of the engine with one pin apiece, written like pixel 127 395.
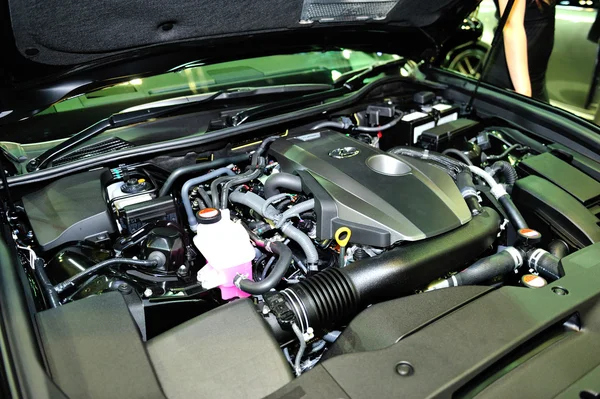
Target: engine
pixel 313 225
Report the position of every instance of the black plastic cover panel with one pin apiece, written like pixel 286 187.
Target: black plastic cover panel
pixel 568 217
pixel 383 198
pixel 94 350
pixel 229 352
pixel 69 209
pixel 567 177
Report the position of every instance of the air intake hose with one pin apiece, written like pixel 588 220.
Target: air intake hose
pixel 336 295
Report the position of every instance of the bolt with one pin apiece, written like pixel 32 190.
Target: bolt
pixel 148 292
pixel 266 310
pixel 560 291
pixel 182 271
pixel 125 288
pixel 405 369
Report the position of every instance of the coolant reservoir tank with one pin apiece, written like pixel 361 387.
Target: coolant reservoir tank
pixel 227 249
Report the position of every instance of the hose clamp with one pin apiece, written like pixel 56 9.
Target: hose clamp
pixel 469 192
pixel 237 280
pixel 535 257
pixel 498 191
pixel 516 255
pixel 299 309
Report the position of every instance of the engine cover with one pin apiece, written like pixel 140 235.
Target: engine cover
pixel 382 198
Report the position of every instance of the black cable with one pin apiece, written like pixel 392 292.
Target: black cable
pixel 60 287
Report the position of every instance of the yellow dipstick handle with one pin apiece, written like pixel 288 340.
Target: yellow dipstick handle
pixel 342 237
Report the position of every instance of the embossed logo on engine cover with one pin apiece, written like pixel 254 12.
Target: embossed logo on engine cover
pixel 344 152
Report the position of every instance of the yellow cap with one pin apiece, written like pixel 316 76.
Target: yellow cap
pixel 140 181
pixel 342 236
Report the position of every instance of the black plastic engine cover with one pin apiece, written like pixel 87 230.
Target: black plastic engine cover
pixel 70 209
pixel 382 198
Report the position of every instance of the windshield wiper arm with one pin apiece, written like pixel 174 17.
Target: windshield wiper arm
pixel 112 122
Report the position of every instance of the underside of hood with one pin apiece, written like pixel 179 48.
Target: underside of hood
pixel 72 32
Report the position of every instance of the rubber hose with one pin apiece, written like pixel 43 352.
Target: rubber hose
pixel 253 202
pixel 270 200
pixel 295 211
pixel 546 264
pixel 279 270
pixel 485 269
pixel 262 147
pixel 332 124
pixel 503 154
pixel 459 154
pixel 512 212
pixel 246 177
pixel 185 189
pixel 507 170
pixel 256 203
pixel 304 241
pixel 336 295
pixel 558 248
pixel 464 182
pixel 60 287
pixel 198 168
pixel 205 197
pixel 377 129
pixel 282 180
pixel 47 288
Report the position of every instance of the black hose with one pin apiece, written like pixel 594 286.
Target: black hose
pixel 277 273
pixel 558 248
pixel 241 179
pixel 459 154
pixel 282 180
pixel 504 154
pixel 204 196
pixel 546 264
pixel 507 170
pixel 512 212
pixel 45 284
pixel 198 168
pixel 464 182
pixel 336 295
pixel 214 189
pixel 485 269
pixel 60 287
pixel 261 148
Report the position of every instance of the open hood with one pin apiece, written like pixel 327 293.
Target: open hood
pixel 57 48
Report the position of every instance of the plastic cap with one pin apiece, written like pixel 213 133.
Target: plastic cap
pixel 208 216
pixel 529 236
pixel 533 281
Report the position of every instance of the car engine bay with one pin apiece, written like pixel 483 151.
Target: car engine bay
pixel 275 247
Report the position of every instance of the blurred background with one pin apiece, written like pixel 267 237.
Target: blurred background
pixel 573 71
